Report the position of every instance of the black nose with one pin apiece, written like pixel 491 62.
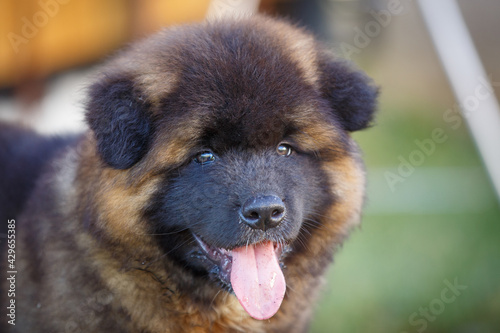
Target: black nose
pixel 264 212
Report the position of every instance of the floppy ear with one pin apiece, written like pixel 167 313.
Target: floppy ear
pixel 350 93
pixel 117 114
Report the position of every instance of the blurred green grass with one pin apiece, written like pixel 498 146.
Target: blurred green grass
pixel 441 223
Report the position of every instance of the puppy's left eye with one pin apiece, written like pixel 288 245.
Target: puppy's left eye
pixel 204 157
pixel 284 150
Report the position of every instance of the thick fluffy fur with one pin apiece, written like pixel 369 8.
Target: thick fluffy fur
pixel 106 241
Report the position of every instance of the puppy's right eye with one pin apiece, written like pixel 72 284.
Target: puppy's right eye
pixel 205 157
pixel 284 150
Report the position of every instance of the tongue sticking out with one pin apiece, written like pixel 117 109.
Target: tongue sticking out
pixel 257 279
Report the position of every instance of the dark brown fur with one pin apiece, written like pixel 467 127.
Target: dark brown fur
pixel 89 257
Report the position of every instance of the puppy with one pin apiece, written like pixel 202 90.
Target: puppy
pixel 216 180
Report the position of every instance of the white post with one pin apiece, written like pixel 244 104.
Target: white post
pixel 470 83
pixel 219 8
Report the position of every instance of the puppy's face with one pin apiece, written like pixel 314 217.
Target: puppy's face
pixel 225 199
pixel 243 122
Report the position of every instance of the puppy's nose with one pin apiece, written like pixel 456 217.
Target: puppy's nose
pixel 263 212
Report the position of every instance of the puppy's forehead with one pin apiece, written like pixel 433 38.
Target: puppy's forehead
pixel 246 82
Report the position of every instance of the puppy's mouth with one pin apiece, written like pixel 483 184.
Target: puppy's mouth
pixel 253 272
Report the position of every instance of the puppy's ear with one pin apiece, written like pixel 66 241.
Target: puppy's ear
pixel 117 114
pixel 350 93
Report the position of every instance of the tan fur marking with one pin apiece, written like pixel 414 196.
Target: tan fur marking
pixel 301 47
pixel 173 148
pixel 317 133
pixel 121 205
pixel 348 177
pixel 156 83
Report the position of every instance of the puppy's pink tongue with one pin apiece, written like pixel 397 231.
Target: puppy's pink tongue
pixel 257 279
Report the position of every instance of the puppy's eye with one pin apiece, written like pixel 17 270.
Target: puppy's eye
pixel 284 150
pixel 205 157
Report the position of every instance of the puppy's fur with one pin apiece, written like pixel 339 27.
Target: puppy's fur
pixel 184 129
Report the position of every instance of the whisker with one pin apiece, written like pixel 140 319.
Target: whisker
pixel 289 288
pixel 305 225
pixel 226 296
pixel 175 248
pixel 300 240
pixel 313 213
pixel 312 223
pixel 166 233
pixel 213 299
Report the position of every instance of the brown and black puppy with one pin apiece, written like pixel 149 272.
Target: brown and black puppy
pixel 209 195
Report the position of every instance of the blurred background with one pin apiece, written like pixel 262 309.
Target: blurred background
pixel 427 257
